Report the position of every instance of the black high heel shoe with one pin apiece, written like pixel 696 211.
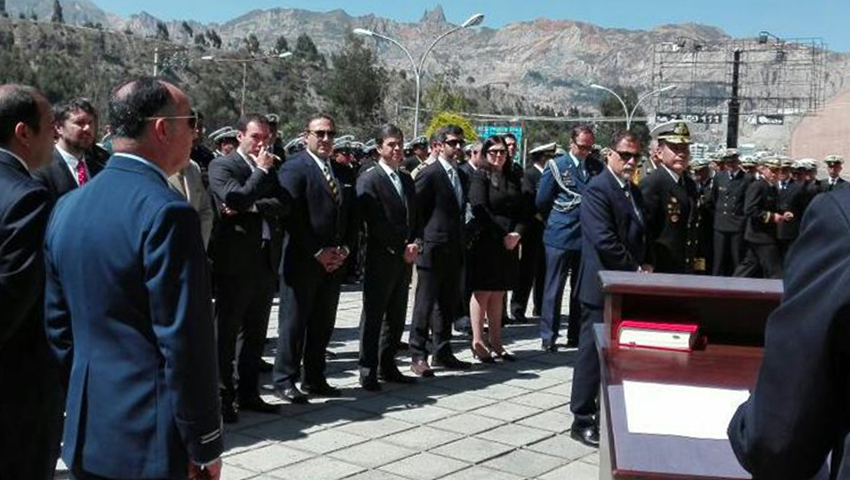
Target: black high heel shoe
pixel 488 358
pixel 505 356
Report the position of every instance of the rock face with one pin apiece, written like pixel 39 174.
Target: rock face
pixel 547 62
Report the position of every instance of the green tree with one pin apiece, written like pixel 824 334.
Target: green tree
pixel 187 29
pixel 444 118
pixel 252 44
pixel 162 31
pixel 306 49
pixel 354 87
pixel 281 45
pixel 215 39
pixel 57 17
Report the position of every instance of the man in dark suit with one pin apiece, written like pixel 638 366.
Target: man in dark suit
pixel 532 266
pixel 669 197
pixel 762 216
pixel 790 197
pixel 137 353
pixel 834 165
pixel 30 406
pixel 558 200
pixel 318 222
pixel 440 205
pixel 72 165
pixel 386 201
pixel 703 176
pixel 613 239
pixel 796 415
pixel 727 200
pixel 245 249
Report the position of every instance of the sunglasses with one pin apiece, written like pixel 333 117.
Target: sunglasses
pixel 324 133
pixel 193 119
pixel 455 143
pixel 627 156
pixel 497 151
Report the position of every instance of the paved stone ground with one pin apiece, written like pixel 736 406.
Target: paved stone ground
pixel 507 421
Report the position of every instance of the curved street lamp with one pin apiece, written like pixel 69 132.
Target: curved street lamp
pixel 245 62
pixel 630 115
pixel 417 69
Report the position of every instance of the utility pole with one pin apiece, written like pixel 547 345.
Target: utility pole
pixel 734 116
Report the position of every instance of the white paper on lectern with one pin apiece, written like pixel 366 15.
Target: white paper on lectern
pixel 683 411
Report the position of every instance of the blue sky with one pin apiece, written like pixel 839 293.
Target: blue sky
pixel 826 19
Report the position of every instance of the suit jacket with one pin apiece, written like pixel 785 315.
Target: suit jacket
pixel 314 219
pixel 670 217
pixel 727 200
pixel 613 234
pixel 237 243
pixel 561 208
pixel 776 434
pixel 58 178
pixel 440 217
pixel 839 184
pixel 191 185
pixel 530 183
pixel 760 205
pixel 792 198
pixel 390 220
pixel 30 390
pixel 137 353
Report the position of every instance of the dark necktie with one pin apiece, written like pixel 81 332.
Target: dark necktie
pixel 331 183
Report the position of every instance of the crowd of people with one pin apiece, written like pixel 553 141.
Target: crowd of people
pixel 111 255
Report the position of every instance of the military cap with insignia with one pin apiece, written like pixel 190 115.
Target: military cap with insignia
pixel 550 148
pixel 295 145
pixel 222 134
pixel 786 162
pixel 369 146
pixel 559 151
pixel 419 141
pixel 729 154
pixel 676 131
pixel 698 164
pixel 748 161
pixel 771 162
pixel 833 160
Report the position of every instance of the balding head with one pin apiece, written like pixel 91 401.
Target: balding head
pixel 26 124
pixel 151 118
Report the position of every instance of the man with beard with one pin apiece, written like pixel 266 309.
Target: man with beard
pixel 76 126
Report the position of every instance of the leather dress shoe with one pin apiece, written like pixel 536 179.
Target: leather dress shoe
pixel 548 347
pixel 291 395
pixel 229 413
pixel 265 367
pixel 403 346
pixel 321 390
pixel 421 368
pixel 451 362
pixel 394 376
pixel 588 435
pixel 257 404
pixel 370 383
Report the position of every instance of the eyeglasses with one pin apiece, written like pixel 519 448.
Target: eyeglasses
pixel 497 151
pixel 627 156
pixel 193 119
pixel 324 133
pixel 583 148
pixel 455 143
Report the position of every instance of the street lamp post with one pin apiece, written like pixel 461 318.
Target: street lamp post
pixel 417 69
pixel 630 115
pixel 244 62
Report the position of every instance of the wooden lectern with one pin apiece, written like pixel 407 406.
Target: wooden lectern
pixel 731 314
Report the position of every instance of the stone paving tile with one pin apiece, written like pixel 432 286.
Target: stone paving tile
pixel 376 427
pixel 375 475
pixel 541 400
pixel 562 446
pixel 333 416
pixel 515 435
pixel 373 454
pixel 532 381
pixel 592 459
pixel 280 430
pixel 422 415
pixel 481 473
pixel 425 466
pixel 324 468
pixel 463 402
pixel 267 458
pixel 525 464
pixel 551 421
pixel 326 441
pixel 506 411
pixel 422 438
pixel 564 389
pixel 467 424
pixel 499 391
pixel 229 472
pixel 472 450
pixel 573 471
pixel 235 443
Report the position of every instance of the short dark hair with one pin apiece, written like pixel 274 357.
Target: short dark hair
pixel 319 116
pixel 18 104
pixel 444 132
pixel 388 130
pixel 579 130
pixel 509 135
pixel 132 103
pixel 246 118
pixel 623 135
pixel 63 111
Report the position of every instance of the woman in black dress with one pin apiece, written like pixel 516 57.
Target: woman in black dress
pixel 495 194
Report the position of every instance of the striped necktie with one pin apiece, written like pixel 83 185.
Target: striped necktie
pixel 331 183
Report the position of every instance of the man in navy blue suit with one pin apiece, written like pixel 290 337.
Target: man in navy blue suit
pixel 612 226
pixel 137 353
pixel 30 406
pixel 319 238
pixel 558 200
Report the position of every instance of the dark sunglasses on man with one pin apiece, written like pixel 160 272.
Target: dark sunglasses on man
pixel 455 143
pixel 323 133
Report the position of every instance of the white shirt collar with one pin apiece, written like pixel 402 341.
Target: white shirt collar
pixel 146 162
pixel 576 161
pixel 19 159
pixel 72 162
pixel 616 177
pixel 388 169
pixel 246 159
pixel 448 167
pixel 539 168
pixel 323 164
pixel 672 174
